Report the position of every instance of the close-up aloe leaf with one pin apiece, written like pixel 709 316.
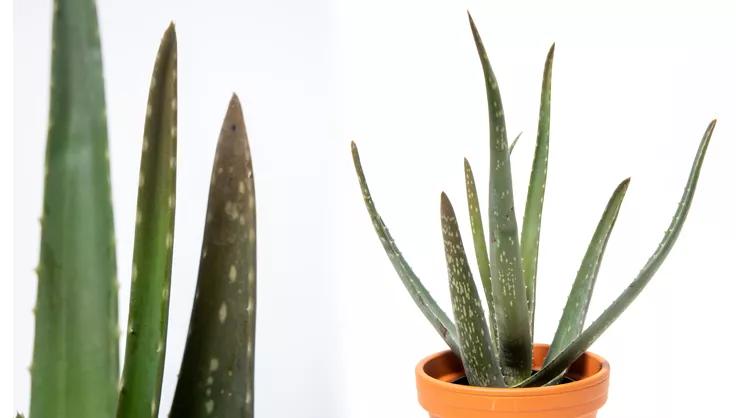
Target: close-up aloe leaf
pixel 572 351
pixel 216 375
pixel 576 308
pixel 477 351
pixel 429 307
pixel 481 251
pixel 75 356
pixel 140 384
pixel 535 195
pixel 509 293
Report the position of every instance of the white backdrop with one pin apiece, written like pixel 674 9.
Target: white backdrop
pixel 634 87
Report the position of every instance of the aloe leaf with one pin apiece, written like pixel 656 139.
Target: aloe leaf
pixel 429 307
pixel 140 385
pixel 579 345
pixel 481 252
pixel 75 354
pixel 535 194
pixel 216 376
pixel 477 352
pixel 573 316
pixel 512 314
pixel 513 143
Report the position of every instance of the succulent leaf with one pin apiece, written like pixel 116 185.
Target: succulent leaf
pixel 140 385
pixel 513 143
pixel 573 316
pixel 535 195
pixel 477 352
pixel 429 307
pixel 509 292
pixel 572 351
pixel 216 376
pixel 75 355
pixel 481 251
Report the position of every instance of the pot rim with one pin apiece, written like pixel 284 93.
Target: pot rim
pixel 598 378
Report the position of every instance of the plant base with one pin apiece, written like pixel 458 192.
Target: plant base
pixel 581 398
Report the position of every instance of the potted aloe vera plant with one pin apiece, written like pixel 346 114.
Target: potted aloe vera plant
pixel 492 367
pixel 75 357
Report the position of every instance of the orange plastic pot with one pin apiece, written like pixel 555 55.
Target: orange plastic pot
pixel 581 398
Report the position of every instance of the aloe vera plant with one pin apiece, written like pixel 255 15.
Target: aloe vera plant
pixel 496 347
pixel 75 361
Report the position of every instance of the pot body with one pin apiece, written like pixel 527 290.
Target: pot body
pixel 579 399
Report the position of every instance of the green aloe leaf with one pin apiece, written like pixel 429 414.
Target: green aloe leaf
pixel 572 351
pixel 75 355
pixel 513 143
pixel 216 376
pixel 429 307
pixel 535 194
pixel 573 316
pixel 477 352
pixel 140 385
pixel 509 292
pixel 481 252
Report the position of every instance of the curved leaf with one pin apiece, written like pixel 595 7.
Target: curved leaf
pixel 566 357
pixel 436 316
pixel 573 316
pixel 513 143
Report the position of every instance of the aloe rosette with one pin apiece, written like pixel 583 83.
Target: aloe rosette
pixel 496 347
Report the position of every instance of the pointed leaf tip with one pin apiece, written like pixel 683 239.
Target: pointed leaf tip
pixel 234 120
pixel 445 205
pixel 169 34
pixel 712 125
pixel 234 99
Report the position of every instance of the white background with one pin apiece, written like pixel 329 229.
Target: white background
pixel 6 210
pixel 634 87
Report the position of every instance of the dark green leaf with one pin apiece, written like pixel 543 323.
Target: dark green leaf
pixel 216 376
